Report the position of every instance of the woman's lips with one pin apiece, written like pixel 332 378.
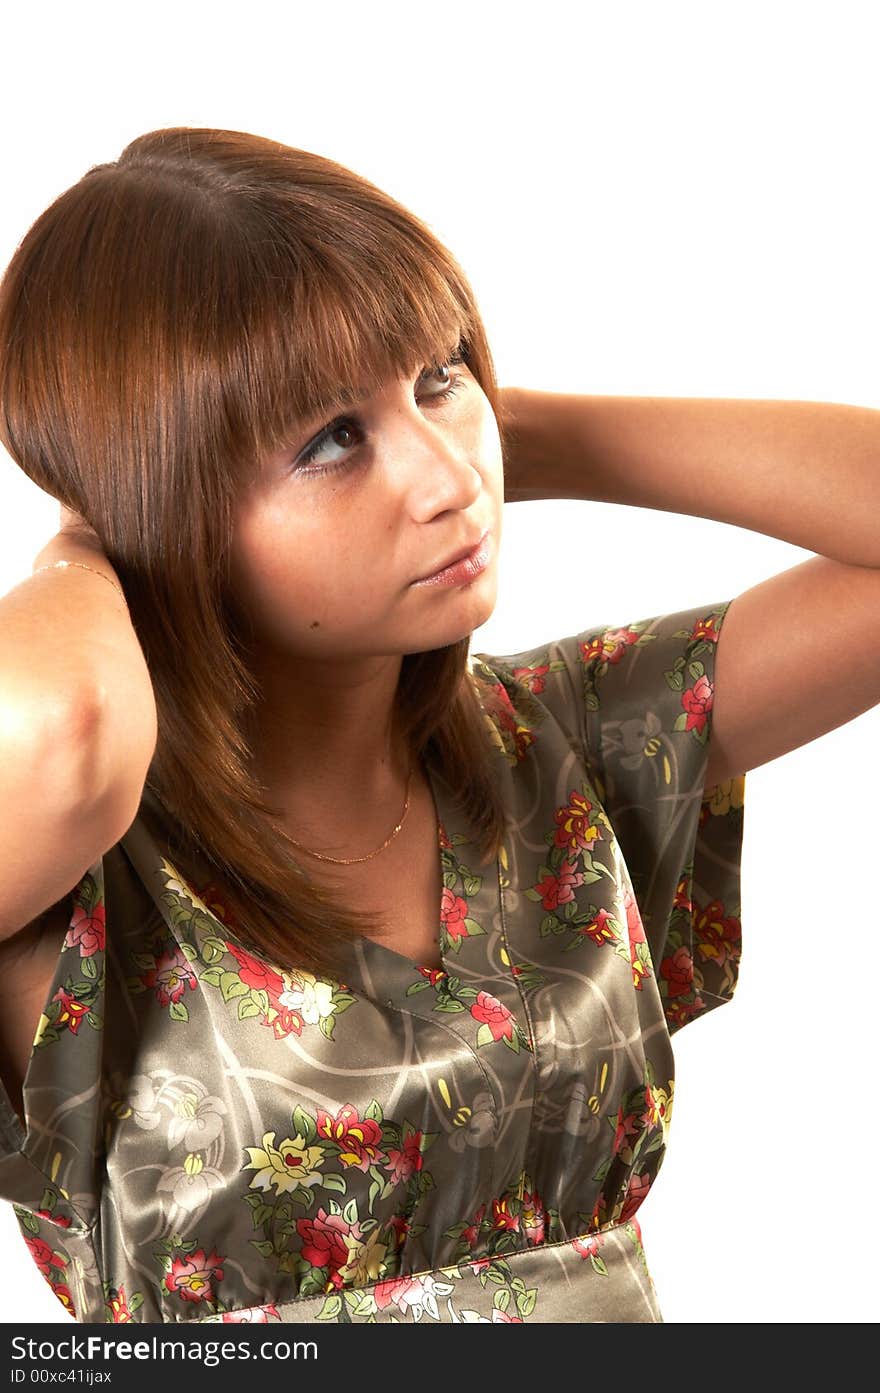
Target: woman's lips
pixel 464 570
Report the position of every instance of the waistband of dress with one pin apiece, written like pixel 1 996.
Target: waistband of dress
pixel 599 1276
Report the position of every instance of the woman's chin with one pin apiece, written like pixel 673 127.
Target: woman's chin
pixel 462 619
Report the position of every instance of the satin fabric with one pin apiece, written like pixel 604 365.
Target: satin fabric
pixel 211 1136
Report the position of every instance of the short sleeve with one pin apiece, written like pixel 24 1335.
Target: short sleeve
pixel 50 1160
pixel 635 701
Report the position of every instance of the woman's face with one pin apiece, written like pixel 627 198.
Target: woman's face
pixel 336 531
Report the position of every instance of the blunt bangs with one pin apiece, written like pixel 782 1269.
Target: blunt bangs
pixel 324 332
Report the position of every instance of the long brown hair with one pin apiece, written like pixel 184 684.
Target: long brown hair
pixel 162 325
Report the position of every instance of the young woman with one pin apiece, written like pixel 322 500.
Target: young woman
pixel 342 964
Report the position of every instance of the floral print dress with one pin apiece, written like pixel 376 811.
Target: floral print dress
pixel 211 1136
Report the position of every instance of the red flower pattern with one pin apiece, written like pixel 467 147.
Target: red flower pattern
pixel 532 677
pixel 399 1229
pixel 599 929
pixel 682 897
pixel 533 1218
pixel 639 1186
pixel 193 1276
pixel 42 1254
pixel 71 1012
pixel 678 972
pixel 453 912
pixel 636 931
pixel 406 1161
pixel 489 1010
pixel 61 1220
pixel 506 714
pixel 559 889
pixel 87 931
pixel 719 937
pixel 398 1291
pixel 697 702
pixel 576 830
pixel 257 975
pixel 171 976
pixel 357 1137
pixel 588 1244
pixel 323 1242
pixel 62 1291
pixel 705 629
pixel 471 1232
pixel 626 1131
pixel 502 1218
pixel 608 647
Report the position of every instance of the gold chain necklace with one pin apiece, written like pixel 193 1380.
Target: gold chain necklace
pixel 351 860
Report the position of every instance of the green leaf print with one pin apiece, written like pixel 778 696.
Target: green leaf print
pixel 304 1125
pixel 473 928
pixel 360 1303
pixel 331 1308
pixel 212 949
pixel 178 1012
pixel 525 1302
pixel 418 987
pixel 231 985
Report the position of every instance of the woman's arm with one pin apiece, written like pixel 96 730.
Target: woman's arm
pixel 806 472
pixel 801 651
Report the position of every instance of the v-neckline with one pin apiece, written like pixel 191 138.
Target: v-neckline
pixel 442 799
pixel 398 967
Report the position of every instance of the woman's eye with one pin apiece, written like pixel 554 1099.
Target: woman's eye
pixel 314 459
pixel 452 380
pixel 307 460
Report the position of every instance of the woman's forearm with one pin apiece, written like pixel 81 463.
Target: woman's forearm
pixel 70 660
pixel 806 472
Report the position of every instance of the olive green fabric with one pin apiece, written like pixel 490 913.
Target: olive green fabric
pixel 211 1136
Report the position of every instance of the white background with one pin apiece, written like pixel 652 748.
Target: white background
pixel 659 200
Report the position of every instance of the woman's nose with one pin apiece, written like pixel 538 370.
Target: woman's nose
pixel 436 468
